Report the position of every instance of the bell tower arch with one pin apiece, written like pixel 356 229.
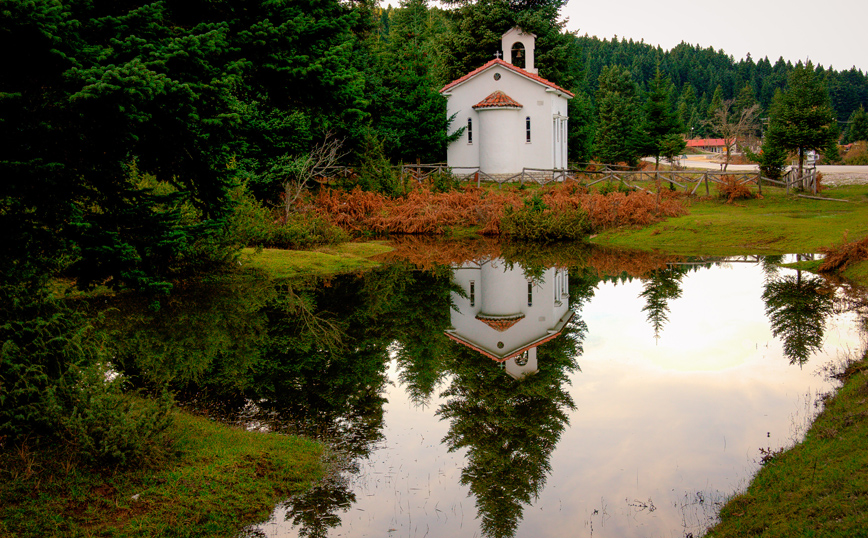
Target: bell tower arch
pixel 518 49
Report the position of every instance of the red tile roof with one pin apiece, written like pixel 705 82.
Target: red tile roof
pixel 520 71
pixel 702 142
pixel 498 99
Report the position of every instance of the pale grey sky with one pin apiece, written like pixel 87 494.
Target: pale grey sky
pixel 832 32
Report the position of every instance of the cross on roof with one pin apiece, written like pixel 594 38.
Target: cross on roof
pixel 498 55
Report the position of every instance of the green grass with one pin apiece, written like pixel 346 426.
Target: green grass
pixel 858 272
pixel 343 258
pixel 224 478
pixel 775 224
pixel 820 486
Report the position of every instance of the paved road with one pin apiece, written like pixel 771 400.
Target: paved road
pixel 833 174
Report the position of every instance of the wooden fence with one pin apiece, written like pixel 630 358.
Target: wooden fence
pixel 591 174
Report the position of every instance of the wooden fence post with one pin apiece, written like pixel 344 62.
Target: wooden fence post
pixel 705 177
pixel 759 181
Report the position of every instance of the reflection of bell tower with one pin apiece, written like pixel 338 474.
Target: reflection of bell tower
pixel 518 48
pixel 505 316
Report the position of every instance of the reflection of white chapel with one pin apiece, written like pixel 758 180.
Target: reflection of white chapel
pixel 512 117
pixel 506 316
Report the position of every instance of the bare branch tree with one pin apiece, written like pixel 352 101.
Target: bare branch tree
pixel 733 126
pixel 296 173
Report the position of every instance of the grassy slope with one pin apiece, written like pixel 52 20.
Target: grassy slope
pixel 775 224
pixel 820 486
pixel 224 478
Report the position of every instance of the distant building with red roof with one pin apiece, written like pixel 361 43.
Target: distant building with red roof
pixel 512 117
pixel 712 145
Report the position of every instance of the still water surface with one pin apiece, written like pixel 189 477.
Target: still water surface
pixel 625 407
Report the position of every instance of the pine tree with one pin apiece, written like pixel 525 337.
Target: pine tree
pixel 714 106
pixel 801 117
pixel 618 137
pixel 410 113
pixel 687 109
pixel 661 127
pixel 858 126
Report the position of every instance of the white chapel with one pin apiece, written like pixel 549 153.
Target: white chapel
pixel 512 117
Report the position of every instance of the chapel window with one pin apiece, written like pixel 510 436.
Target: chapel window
pixel 527 129
pixel 469 130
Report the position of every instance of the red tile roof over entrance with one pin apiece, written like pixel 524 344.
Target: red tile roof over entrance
pixel 498 99
pixel 520 71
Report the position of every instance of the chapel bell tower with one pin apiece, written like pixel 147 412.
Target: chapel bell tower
pixel 518 47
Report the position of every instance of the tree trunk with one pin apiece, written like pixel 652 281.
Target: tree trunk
pixel 801 162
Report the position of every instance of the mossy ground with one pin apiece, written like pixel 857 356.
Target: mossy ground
pixel 222 479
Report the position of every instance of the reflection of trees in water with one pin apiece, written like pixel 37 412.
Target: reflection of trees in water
pixel 509 427
pixel 660 287
pixel 205 338
pixel 316 511
pixel 418 317
pixel 331 389
pixel 797 308
pixel 771 265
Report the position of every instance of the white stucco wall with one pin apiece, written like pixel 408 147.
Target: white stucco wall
pixel 547 148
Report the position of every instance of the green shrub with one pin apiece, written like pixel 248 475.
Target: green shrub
pixel 303 230
pixel 106 427
pixel 443 182
pixel 859 160
pixel 55 388
pixel 534 222
pixel 254 225
pixel 610 187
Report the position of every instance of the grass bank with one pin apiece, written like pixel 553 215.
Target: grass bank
pixel 327 260
pixel 774 224
pixel 222 479
pixel 820 486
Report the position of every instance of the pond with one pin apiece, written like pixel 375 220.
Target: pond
pixel 605 394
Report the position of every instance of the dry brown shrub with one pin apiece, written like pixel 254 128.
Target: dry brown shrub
pixel 424 212
pixel 731 188
pixel 838 258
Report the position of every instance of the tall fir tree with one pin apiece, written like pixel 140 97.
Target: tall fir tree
pixel 410 113
pixel 661 128
pixel 802 118
pixel 857 128
pixel 687 113
pixel 618 135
